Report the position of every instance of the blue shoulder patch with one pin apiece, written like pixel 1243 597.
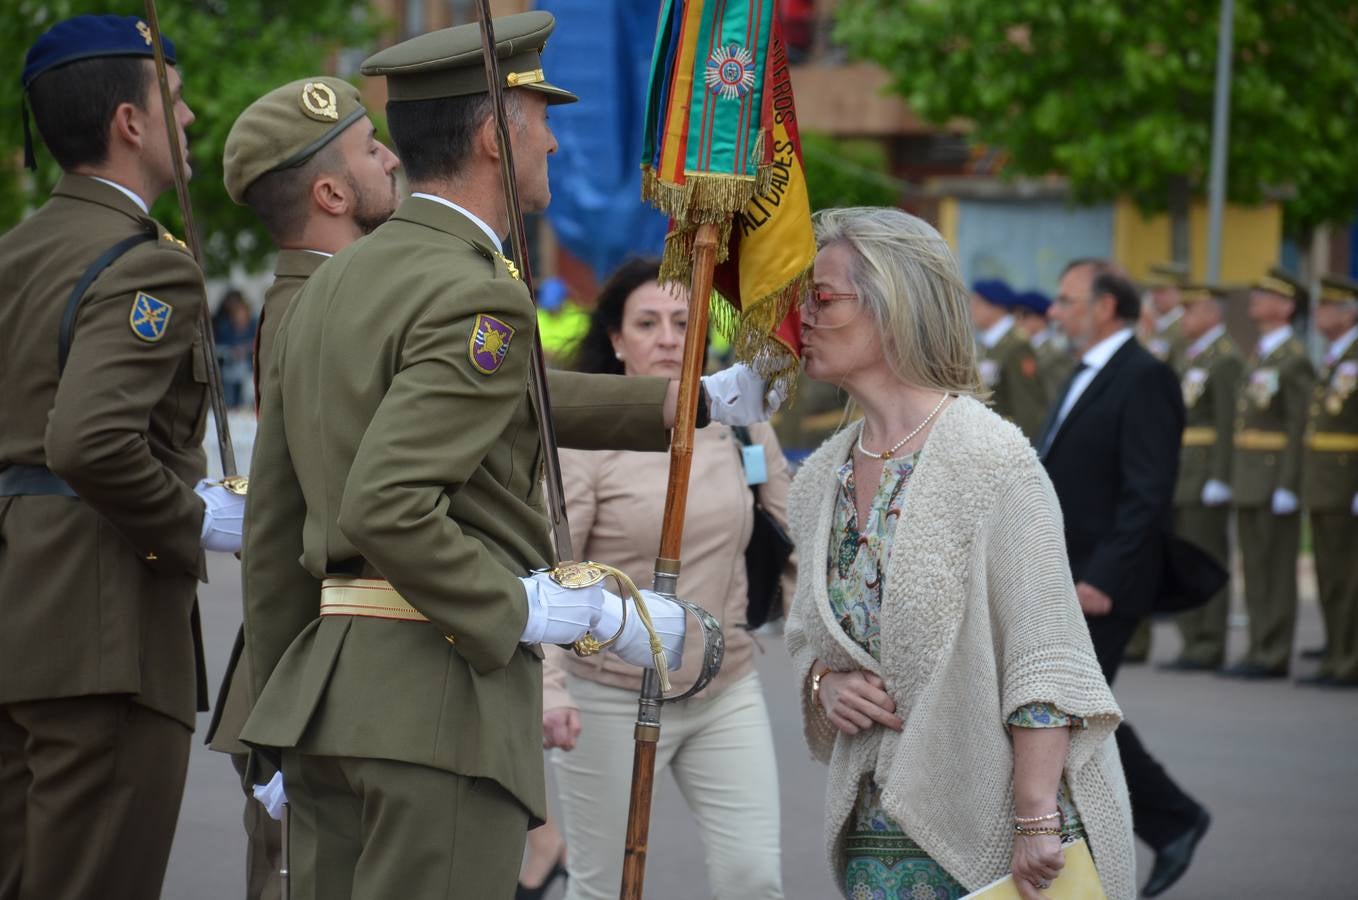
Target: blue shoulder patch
pixel 149 317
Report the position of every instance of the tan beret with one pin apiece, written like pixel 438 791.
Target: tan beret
pixel 286 127
pixel 448 62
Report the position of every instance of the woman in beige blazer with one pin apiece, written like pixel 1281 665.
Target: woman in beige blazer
pixel 947 674
pixel 718 745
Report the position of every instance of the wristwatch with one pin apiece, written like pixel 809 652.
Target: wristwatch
pixel 815 685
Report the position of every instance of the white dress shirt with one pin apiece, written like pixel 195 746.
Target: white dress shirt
pixel 494 238
pixel 141 204
pixel 1169 319
pixel 1272 341
pixel 1205 341
pixel 1341 346
pixel 992 335
pixel 1095 359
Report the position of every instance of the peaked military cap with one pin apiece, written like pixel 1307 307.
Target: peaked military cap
pixel 1283 283
pixel 1197 293
pixel 1167 274
pixel 286 127
pixel 992 290
pixel 1337 289
pixel 448 63
pixel 88 37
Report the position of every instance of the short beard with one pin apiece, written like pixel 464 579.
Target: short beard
pixel 370 212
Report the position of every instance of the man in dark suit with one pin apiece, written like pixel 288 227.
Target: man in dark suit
pixel 1111 447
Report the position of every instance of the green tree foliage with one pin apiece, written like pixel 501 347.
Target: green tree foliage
pixel 847 172
pixel 229 53
pixel 1117 95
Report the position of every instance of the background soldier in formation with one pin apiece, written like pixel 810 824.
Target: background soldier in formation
pixel 1330 481
pixel 305 159
pixel 1209 374
pixel 1271 410
pixel 1053 362
pixel 104 375
pixel 1161 332
pixel 1008 366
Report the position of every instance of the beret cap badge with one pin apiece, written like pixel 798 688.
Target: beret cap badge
pixel 145 31
pixel 318 102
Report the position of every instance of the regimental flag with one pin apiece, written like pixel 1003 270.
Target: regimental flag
pixel 721 146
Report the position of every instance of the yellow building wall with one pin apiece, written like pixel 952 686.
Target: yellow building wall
pixel 1251 240
pixel 947 220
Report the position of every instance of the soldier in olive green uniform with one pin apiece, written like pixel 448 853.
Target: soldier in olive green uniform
pixel 1330 481
pixel 398 459
pixel 102 530
pixel 305 159
pixel 1275 393
pixel 1161 332
pixel 1054 363
pixel 1007 363
pixel 1209 372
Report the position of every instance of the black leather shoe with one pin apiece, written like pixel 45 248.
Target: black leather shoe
pixel 1173 859
pixel 1314 653
pixel 1188 665
pixel 1315 681
pixel 536 893
pixel 1253 672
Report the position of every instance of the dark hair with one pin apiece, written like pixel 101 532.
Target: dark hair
pixel 1109 279
pixel 281 198
pixel 434 137
pixel 73 105
pixel 595 350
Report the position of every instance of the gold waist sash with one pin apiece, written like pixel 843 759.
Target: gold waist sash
pixel 372 598
pixel 1200 436
pixel 1250 439
pixel 1333 442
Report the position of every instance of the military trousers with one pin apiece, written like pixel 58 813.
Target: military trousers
pixel 1268 550
pixel 89 796
pixel 1204 628
pixel 1335 538
pixel 263 845
pixel 377 829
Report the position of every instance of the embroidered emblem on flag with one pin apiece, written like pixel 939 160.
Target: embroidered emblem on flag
pixel 489 344
pixel 149 317
pixel 730 72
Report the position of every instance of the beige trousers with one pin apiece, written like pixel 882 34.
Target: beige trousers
pixel 720 750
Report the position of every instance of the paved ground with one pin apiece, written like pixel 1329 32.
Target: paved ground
pixel 1275 764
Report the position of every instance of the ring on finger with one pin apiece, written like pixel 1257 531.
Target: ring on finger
pixel 1042 884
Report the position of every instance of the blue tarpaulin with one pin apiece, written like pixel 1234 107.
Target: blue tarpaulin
pixel 601 50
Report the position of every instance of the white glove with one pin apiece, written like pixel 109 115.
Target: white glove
pixel 738 396
pixel 272 796
pixel 557 614
pixel 1353 508
pixel 634 646
pixel 1284 502
pixel 1216 493
pixel 223 515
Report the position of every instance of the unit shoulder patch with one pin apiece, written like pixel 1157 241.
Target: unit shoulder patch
pixel 149 317
pixel 489 343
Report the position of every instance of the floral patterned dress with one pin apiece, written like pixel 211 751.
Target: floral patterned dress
pixel 883 863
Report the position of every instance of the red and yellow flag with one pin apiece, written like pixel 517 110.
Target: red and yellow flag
pixel 722 147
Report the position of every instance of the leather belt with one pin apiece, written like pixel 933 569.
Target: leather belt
pixel 1250 439
pixel 19 481
pixel 369 598
pixel 1332 442
pixel 1200 436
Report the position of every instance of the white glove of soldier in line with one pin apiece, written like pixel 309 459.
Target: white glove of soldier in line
pixel 272 796
pixel 1216 493
pixel 1284 502
pixel 738 396
pixel 1353 507
pixel 558 614
pixel 634 646
pixel 223 515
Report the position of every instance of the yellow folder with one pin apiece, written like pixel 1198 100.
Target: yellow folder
pixel 1078 881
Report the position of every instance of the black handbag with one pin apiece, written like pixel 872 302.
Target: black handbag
pixel 765 556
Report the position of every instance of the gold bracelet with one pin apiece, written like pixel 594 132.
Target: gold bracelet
pixel 1053 815
pixel 815 685
pixel 1035 832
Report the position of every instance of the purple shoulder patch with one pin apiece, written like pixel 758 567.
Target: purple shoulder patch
pixel 489 344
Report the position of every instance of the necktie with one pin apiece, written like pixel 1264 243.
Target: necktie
pixel 1049 429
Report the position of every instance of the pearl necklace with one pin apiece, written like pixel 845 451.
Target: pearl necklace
pixel 887 454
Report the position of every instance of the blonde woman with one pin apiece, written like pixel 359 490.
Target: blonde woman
pixel 947 674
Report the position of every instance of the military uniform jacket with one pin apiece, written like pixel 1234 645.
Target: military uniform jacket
pixel 1331 467
pixel 1275 393
pixel 97 594
pixel 1211 384
pixel 291 271
pixel 393 444
pixel 1168 345
pixel 1009 369
pixel 1054 366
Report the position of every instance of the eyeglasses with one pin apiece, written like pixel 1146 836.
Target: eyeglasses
pixel 816 299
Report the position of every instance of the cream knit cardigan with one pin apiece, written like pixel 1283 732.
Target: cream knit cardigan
pixel 979 617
